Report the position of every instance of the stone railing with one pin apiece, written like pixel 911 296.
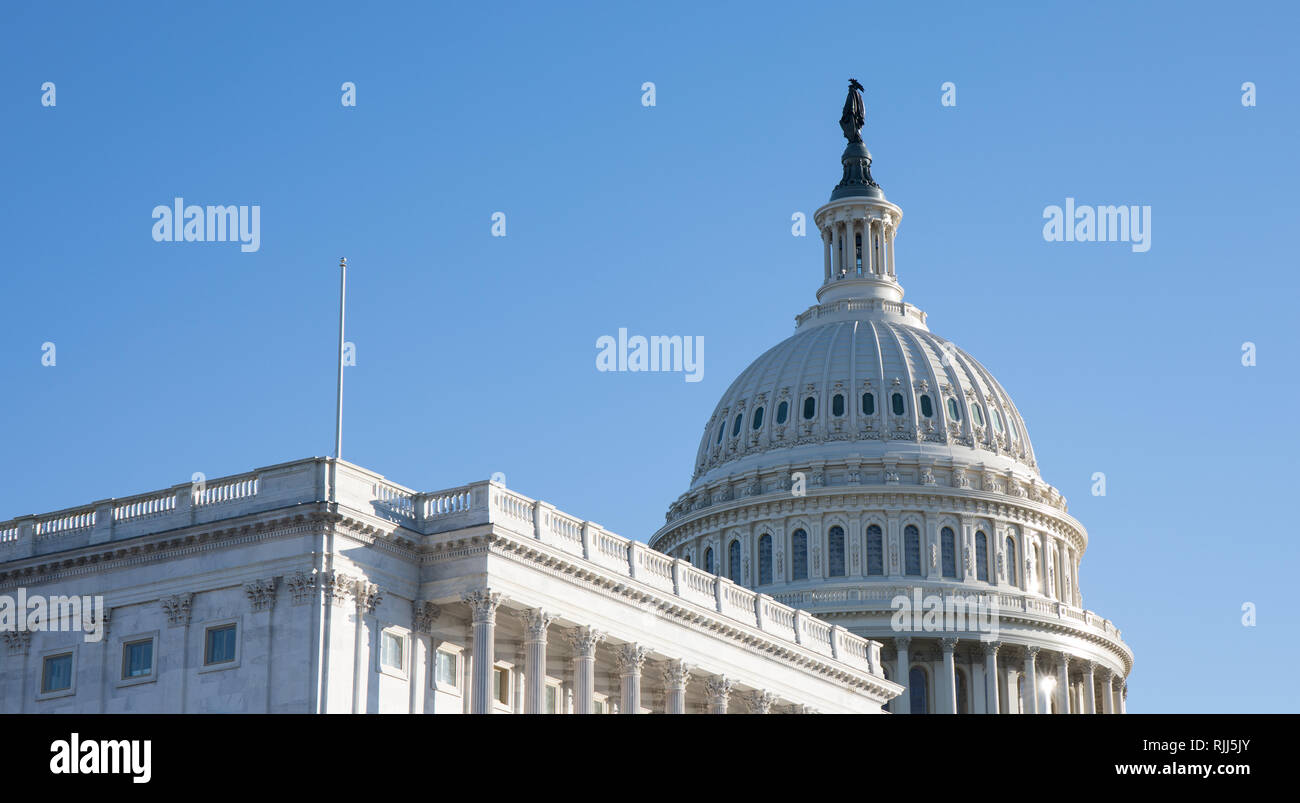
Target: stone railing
pixel 322 480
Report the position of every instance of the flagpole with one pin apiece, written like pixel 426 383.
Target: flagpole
pixel 338 421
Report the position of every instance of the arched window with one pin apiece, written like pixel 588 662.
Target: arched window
pixel 963 696
pixel 764 559
pixel 912 550
pixel 1013 576
pixel 1035 584
pixel 918 690
pixel 758 418
pixel 897 401
pixel 949 546
pixel 981 556
pixel 735 429
pixel 686 556
pixel 837 404
pixel 875 550
pixel 799 555
pixel 868 404
pixel 733 562
pixel 708 560
pixel 927 408
pixel 954 412
pixel 835 552
pixel 782 412
pixel 809 407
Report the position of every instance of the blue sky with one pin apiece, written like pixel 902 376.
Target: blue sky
pixel 476 354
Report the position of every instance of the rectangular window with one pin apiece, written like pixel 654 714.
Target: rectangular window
pixel 552 699
pixel 392 652
pixel 137 659
pixel 598 706
pixel 445 671
pixel 56 673
pixel 219 645
pixel 503 685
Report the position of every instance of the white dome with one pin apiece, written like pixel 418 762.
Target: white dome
pixel 845 365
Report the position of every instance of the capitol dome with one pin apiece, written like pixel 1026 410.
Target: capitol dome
pixel 864 463
pixel 855 380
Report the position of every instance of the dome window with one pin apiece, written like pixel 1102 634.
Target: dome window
pixel 897 401
pixel 927 407
pixel 735 428
pixel 837 405
pixel 868 404
pixel 782 412
pixel 953 411
pixel 722 428
pixel 758 418
pixel 977 414
pixel 997 420
pixel 809 407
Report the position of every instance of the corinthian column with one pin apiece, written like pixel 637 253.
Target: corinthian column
pixel 536 621
pixel 1031 680
pixel 719 689
pixel 991 677
pixel 948 691
pixel 676 675
pixel 903 702
pixel 826 252
pixel 1063 684
pixel 483 606
pixel 584 641
pixel 1090 686
pixel 630 659
pixel 1107 692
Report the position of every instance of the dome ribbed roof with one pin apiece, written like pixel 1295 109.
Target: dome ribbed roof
pixel 845 353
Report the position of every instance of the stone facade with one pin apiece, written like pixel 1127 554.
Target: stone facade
pixel 349 593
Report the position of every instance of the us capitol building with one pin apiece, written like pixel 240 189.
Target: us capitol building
pixel 860 462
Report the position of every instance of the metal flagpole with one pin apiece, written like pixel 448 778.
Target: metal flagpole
pixel 343 294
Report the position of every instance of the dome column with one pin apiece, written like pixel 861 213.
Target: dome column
pixel 903 702
pixel 1031 680
pixel 991 677
pixel 1063 684
pixel 948 693
pixel 1108 692
pixel 1090 684
pixel 826 254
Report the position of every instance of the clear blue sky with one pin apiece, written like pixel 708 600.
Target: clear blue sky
pixel 477 354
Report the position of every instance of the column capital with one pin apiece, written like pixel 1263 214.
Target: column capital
pixel 719 688
pixel 948 644
pixel 990 648
pixel 630 658
pixel 536 621
pixel 676 674
pixel 1064 658
pixel 483 604
pixel 261 593
pixel 584 641
pixel 177 608
pixel 368 596
pixel 1031 652
pixel 760 702
pixel 424 614
pixel 902 642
